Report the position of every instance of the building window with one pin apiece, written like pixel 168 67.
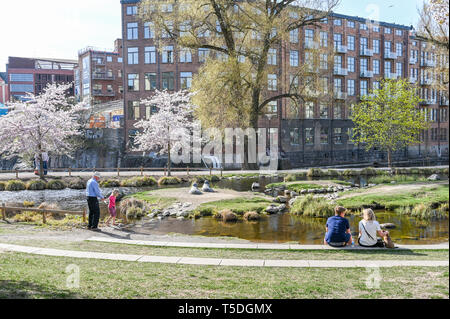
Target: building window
pixel 351 64
pixel 150 55
pixel 131 10
pixel 293 36
pixel 168 81
pixel 376 85
pixel 167 54
pixel 272 82
pixel 309 110
pixel 376 28
pixel 324 39
pixel 134 110
pixel 399 32
pixel 337 114
pixel 309 37
pixel 133 55
pixel 202 55
pixel 364 88
pixel 376 46
pixel 132 31
pixel 309 136
pixel 399 69
pixel 364 64
pixel 16 77
pixel 351 43
pixel 387 68
pixel 149 30
pixel 272 107
pixel 338 22
pixel 351 24
pixel 337 40
pixel 120 60
pixel 133 82
pixel 294 58
pixel 376 66
pixel 150 81
pixel 351 87
pixel 109 58
pixel 185 55
pixel 363 26
pixel 399 49
pixel 337 134
pixel 323 111
pixel 324 61
pixel 387 30
pixel 272 57
pixel 295 136
pixel 324 136
pixel 186 80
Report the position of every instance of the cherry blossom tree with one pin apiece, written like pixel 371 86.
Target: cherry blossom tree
pixel 43 123
pixel 168 128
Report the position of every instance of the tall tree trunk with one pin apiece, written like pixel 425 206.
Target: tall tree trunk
pixel 169 162
pixel 390 158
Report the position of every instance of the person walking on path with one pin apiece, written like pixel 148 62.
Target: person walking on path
pixel 93 194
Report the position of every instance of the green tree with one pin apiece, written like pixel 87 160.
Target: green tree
pixel 389 118
pixel 233 87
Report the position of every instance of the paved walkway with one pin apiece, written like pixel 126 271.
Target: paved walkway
pixel 226 262
pixel 254 246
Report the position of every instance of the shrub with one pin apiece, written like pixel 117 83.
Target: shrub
pixel 290 178
pixel 28 217
pixel 2 186
pixel 333 173
pixel 134 209
pixel 77 184
pixel 312 206
pixel 228 216
pixel 251 216
pixel 206 211
pixel 315 172
pixel 369 171
pixel 28 204
pixel 425 211
pixel 138 182
pixel 213 178
pixel 135 214
pixel 51 206
pixel 172 180
pixel 110 183
pixel 56 185
pixel 36 185
pixel 350 172
pixel 15 185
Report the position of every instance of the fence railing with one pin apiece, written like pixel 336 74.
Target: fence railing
pixel 5 209
pixel 118 170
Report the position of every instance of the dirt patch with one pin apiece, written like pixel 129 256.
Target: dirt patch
pixel 182 195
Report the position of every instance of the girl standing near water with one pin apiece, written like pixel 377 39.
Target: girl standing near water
pixel 112 207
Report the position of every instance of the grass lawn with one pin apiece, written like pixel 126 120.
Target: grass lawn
pixel 160 202
pixel 438 194
pixel 296 187
pixel 23 276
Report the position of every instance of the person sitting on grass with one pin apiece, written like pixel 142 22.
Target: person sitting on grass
pixel 338 229
pixel 369 228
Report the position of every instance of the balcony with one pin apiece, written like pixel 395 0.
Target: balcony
pixel 426 81
pixel 428 102
pixel 390 55
pixel 340 71
pixel 412 60
pixel 365 52
pixel 311 45
pixel 340 95
pixel 428 63
pixel 339 48
pixel 101 93
pixel 391 76
pixel 366 74
pixel 412 80
pixel 103 76
pixel 443 101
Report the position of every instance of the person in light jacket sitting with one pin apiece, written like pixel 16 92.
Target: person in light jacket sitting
pixel 369 230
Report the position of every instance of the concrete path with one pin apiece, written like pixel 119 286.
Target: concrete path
pixel 255 246
pixel 226 262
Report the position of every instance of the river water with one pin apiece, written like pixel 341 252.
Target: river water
pixel 279 228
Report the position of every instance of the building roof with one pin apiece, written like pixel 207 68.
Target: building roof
pixel 57 60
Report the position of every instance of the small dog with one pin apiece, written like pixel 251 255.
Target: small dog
pixel 388 243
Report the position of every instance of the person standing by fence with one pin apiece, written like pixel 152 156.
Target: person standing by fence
pixel 93 194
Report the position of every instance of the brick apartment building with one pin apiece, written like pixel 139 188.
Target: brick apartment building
pixel 98 76
pixel 318 133
pixel 31 75
pixel 4 92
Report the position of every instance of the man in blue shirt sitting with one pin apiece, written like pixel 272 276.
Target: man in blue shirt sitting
pixel 338 229
pixel 93 194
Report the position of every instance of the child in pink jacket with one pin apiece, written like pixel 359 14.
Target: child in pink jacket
pixel 112 208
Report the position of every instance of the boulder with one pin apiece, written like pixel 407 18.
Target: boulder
pixel 207 187
pixel 166 213
pixel 281 208
pixel 194 190
pixel 292 201
pixel 282 199
pixel 303 191
pixel 272 209
pixel 434 178
pixel 255 186
pixel 294 194
pixel 371 185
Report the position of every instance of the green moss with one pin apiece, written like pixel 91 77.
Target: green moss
pixel 169 180
pixel 15 185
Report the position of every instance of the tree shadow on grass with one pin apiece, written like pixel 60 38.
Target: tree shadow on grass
pixel 386 252
pixel 12 289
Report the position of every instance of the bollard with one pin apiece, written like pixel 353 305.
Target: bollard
pixel 44 219
pixel 142 171
pixel 17 174
pixel 4 211
pixel 210 171
pixel 187 171
pixel 70 172
pixel 84 215
pixel 165 171
pixel 221 172
pixel 118 171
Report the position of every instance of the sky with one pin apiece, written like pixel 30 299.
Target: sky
pixel 54 29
